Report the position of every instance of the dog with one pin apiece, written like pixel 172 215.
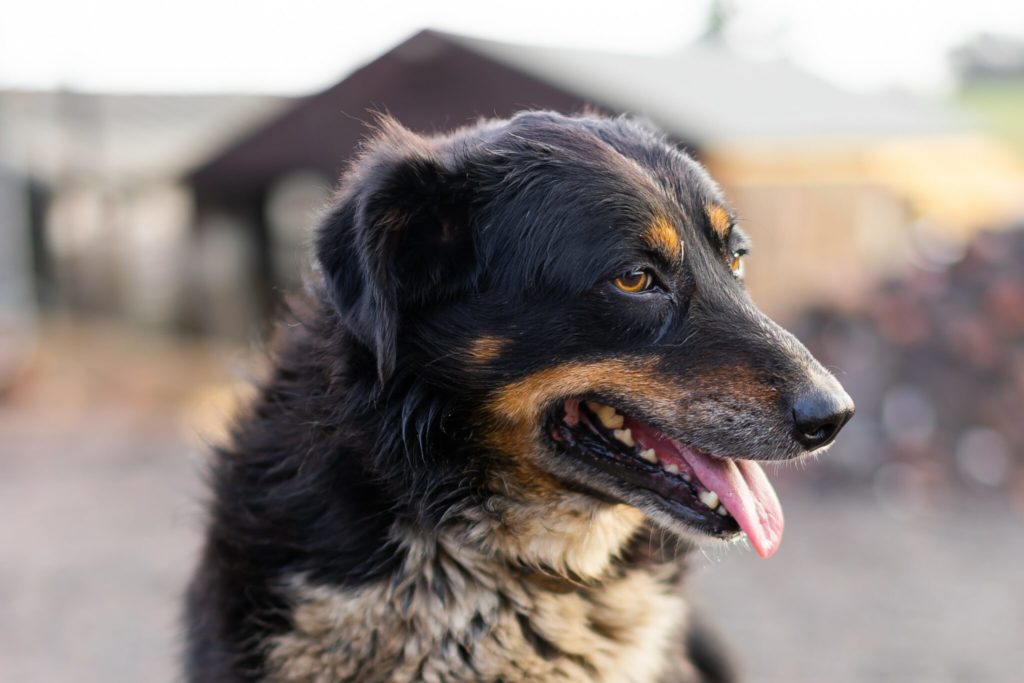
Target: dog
pixel 525 380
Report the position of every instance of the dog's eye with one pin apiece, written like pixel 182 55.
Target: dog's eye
pixel 736 265
pixel 634 282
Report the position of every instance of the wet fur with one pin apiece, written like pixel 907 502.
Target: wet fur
pixel 382 514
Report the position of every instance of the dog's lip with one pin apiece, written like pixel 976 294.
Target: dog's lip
pixel 678 497
pixel 738 485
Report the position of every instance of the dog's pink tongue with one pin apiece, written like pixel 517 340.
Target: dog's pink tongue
pixel 746 493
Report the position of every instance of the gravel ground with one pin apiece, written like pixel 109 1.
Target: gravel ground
pixel 857 594
pixel 100 489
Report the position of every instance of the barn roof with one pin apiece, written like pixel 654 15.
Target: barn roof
pixel 701 94
pixel 707 92
pixel 429 83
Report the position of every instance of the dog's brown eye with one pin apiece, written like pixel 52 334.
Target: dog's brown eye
pixel 632 283
pixel 736 266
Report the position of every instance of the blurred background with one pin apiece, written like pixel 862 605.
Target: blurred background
pixel 161 166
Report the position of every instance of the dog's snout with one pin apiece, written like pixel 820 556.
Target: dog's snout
pixel 819 412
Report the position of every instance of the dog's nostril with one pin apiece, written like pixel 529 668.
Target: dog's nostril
pixel 818 415
pixel 822 433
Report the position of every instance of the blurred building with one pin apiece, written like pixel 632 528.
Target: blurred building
pixel 822 175
pixel 196 211
pixel 95 180
pixel 18 305
pixel 990 69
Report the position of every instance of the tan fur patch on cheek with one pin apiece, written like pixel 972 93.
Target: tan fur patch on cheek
pixel 516 413
pixel 663 236
pixel 485 349
pixel 719 219
pixel 523 400
pixel 517 442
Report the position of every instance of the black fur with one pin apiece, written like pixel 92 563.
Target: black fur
pixel 372 418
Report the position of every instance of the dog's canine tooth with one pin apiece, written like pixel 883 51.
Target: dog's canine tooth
pixel 649 455
pixel 672 468
pixel 722 511
pixel 625 436
pixel 608 416
pixel 612 420
pixel 709 498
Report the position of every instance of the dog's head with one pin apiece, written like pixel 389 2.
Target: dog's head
pixel 573 288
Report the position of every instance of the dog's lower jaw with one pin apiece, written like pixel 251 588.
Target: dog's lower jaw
pixel 457 610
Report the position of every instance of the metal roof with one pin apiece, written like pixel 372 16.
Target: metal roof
pixel 708 93
pixel 701 95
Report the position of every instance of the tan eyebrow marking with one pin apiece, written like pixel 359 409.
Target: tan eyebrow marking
pixel 720 221
pixel 663 236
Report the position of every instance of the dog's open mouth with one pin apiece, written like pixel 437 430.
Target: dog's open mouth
pixel 718 496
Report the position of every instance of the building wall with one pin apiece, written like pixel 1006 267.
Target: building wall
pixel 818 243
pixel 864 208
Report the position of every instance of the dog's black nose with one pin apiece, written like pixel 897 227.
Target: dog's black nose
pixel 819 413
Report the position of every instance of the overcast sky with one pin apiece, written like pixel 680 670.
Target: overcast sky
pixel 297 46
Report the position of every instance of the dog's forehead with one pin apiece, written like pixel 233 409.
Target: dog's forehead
pixel 588 196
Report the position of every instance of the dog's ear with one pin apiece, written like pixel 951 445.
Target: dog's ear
pixel 396 237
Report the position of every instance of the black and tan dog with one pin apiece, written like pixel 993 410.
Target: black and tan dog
pixel 528 377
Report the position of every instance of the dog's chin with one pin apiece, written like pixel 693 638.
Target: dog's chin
pixel 686 492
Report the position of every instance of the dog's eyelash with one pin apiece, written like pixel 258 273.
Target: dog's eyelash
pixel 738 242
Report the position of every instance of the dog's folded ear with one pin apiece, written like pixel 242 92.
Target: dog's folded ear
pixel 397 237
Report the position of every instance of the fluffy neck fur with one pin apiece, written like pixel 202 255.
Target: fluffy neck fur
pixel 452 613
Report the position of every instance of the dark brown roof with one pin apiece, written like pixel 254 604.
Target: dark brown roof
pixel 429 83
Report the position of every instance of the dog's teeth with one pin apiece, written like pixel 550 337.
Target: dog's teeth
pixel 709 498
pixel 722 511
pixel 625 436
pixel 686 476
pixel 607 415
pixel 611 420
pixel 672 468
pixel 649 455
